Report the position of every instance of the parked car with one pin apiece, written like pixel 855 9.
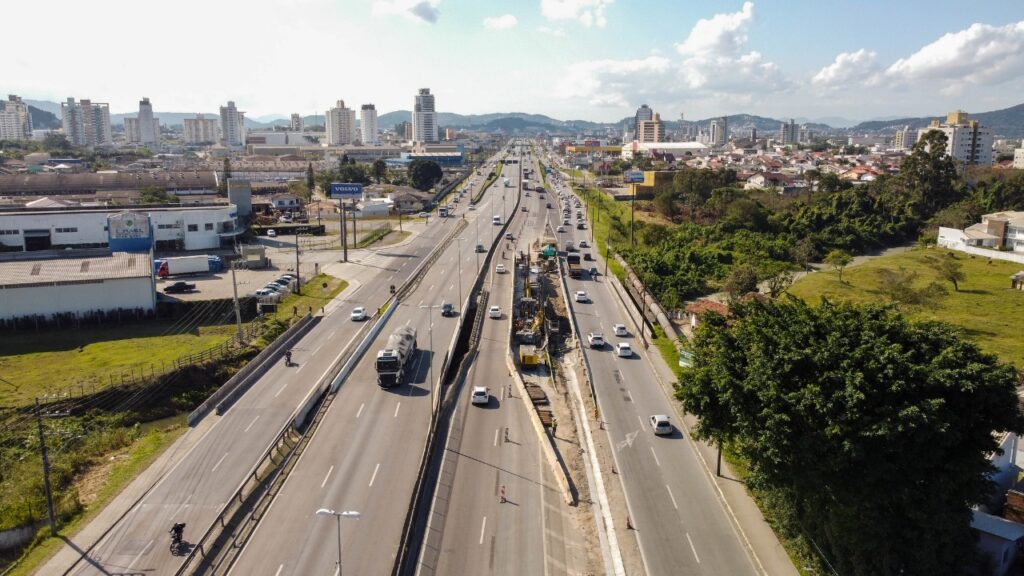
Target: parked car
pixel 179 288
pixel 660 425
pixel 263 293
pixel 480 396
pixel 358 314
pixel 423 215
pixel 581 296
pixel 494 311
pixel 624 350
pixel 595 339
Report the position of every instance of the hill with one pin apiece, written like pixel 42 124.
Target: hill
pixel 1008 122
pixel 42 119
pixel 738 123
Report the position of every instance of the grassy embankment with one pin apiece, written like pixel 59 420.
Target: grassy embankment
pixel 313 296
pixel 489 181
pixel 985 307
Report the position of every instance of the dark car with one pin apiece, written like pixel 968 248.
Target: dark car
pixel 179 288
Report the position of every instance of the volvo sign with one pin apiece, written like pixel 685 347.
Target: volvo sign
pixel 633 177
pixel 345 191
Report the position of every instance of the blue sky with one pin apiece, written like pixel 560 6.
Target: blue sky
pixel 586 59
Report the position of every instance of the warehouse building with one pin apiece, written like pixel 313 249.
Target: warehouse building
pixel 77 287
pixel 174 227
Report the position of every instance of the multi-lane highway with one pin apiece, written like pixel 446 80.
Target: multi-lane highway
pixel 682 527
pixel 198 484
pixel 365 455
pixel 472 531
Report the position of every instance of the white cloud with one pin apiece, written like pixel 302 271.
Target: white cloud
pixel 714 64
pixel 587 12
pixel 426 10
pixel 556 32
pixel 847 68
pixel 503 22
pixel 981 54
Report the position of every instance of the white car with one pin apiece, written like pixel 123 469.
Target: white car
pixel 661 425
pixel 581 296
pixel 596 340
pixel 263 293
pixel 423 215
pixel 480 395
pixel 271 233
pixel 494 311
pixel 358 314
pixel 623 350
pixel 620 330
pixel 500 268
pixel 472 207
pixel 560 229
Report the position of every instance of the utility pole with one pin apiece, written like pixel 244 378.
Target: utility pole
pixel 355 239
pixel 238 312
pixel 344 237
pixel 298 277
pixel 46 470
pixel 632 204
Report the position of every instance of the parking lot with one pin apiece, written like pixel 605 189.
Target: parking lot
pixel 214 286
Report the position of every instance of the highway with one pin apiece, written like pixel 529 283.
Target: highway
pixel 365 455
pixel 471 530
pixel 682 527
pixel 198 484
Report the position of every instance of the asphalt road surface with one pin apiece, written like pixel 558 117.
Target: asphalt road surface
pixel 366 453
pixel 682 527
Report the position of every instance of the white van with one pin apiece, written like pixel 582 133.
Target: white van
pixel 496 220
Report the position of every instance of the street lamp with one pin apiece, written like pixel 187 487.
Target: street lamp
pixel 339 515
pixel 430 332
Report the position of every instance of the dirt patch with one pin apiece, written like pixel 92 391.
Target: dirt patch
pixel 96 476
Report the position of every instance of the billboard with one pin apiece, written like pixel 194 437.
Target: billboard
pixel 633 177
pixel 129 232
pixel 345 191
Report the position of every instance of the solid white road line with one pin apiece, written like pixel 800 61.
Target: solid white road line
pixel 692 547
pixel 361 406
pixel 483 526
pixel 495 436
pixel 279 568
pixel 374 477
pixel 251 423
pixel 397 406
pixel 653 453
pixel 217 465
pixel 329 470
pixel 674 505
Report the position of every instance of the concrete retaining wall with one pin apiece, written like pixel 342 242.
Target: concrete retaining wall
pixel 652 304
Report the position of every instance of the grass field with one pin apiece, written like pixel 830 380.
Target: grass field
pixel 39 363
pixel 985 307
pixel 313 296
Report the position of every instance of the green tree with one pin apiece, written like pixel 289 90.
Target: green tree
pixel 951 270
pixel 380 169
pixel 838 260
pixel 870 432
pixel 928 174
pixel 310 178
pixel 742 280
pixel 424 174
pixel 56 142
pixel 900 286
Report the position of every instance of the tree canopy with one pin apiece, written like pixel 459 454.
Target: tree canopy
pixel 424 174
pixel 872 430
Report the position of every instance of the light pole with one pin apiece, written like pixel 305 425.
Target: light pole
pixel 339 515
pixel 460 272
pixel 430 332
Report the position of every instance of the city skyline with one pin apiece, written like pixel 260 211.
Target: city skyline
pixel 573 59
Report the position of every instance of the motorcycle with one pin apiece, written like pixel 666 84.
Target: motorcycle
pixel 177 537
pixel 288 358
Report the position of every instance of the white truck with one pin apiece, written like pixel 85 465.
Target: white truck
pixel 184 265
pixel 392 360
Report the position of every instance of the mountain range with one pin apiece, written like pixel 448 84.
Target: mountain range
pixel 1008 122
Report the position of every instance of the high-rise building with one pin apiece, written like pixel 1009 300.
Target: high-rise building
pixel 15 120
pixel 201 130
pixel 297 124
pixel 643 114
pixel 789 132
pixel 368 124
pixel 450 134
pixel 719 132
pixel 145 129
pixel 340 123
pixel 424 117
pixel 86 123
pixel 905 138
pixel 232 126
pixel 967 141
pixel 407 130
pixel 652 130
pixel 805 134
